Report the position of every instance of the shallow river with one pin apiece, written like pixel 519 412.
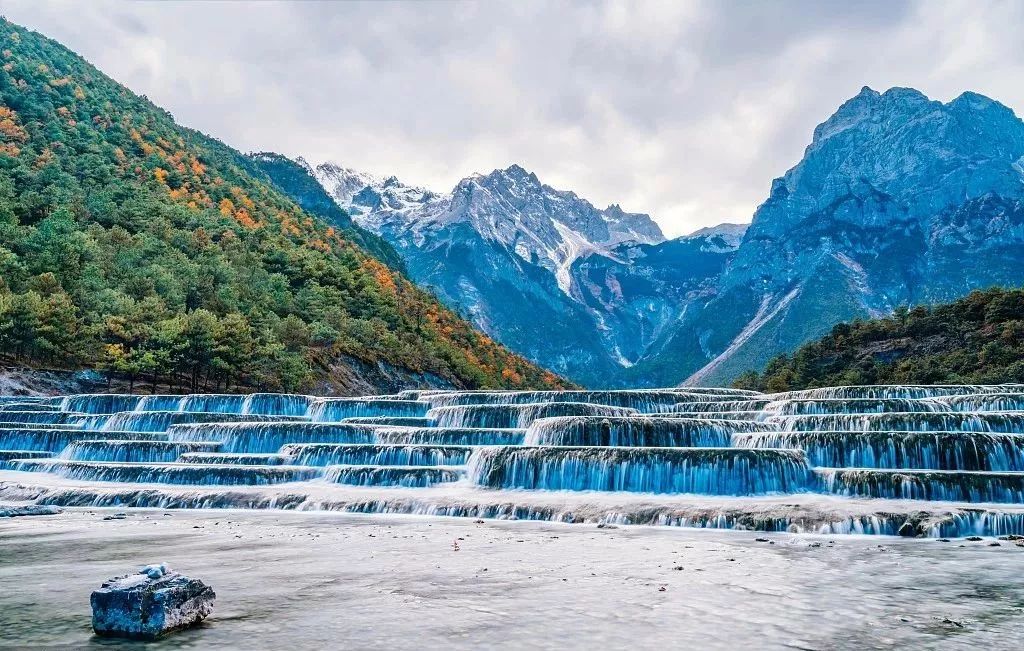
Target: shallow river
pixel 307 580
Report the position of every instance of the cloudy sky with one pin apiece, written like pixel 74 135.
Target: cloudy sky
pixel 684 110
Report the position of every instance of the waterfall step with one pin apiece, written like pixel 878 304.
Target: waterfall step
pixel 133 450
pixel 404 421
pixel 640 431
pixel 714 415
pixel 15 418
pixel 241 459
pixel 161 421
pixel 724 406
pixel 934 485
pixel 518 415
pixel 26 406
pixel 983 402
pixel 1012 422
pixel 14 455
pixel 922 450
pixel 268 437
pixel 711 471
pixel 5 425
pixel 404 476
pixel 822 406
pixel 450 435
pixel 643 400
pixel 897 391
pixel 56 439
pixel 333 410
pixel 170 473
pixel 320 454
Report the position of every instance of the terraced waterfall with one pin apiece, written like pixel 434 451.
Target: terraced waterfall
pixel 908 460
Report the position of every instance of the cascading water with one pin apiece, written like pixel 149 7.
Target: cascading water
pixel 56 439
pixel 905 421
pixel 161 421
pixel 363 454
pixel 518 415
pixel 171 473
pixel 405 476
pixel 712 471
pixel 925 450
pixel 332 410
pixel 813 406
pixel 943 485
pixel 404 421
pixel 643 400
pixel 844 459
pixel 636 431
pixel 269 437
pixel 982 402
pixel 450 435
pixel 132 450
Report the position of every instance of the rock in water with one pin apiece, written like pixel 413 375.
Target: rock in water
pixel 150 603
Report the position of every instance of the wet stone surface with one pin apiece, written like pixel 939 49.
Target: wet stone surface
pixel 150 603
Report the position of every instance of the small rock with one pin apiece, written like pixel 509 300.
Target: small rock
pixel 995 544
pixel 761 540
pixel 974 538
pixel 605 525
pixel 943 539
pixel 150 603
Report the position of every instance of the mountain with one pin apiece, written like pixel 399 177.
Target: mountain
pixel 895 201
pixel 975 340
pixel 539 269
pixel 130 243
pixel 898 199
pixel 295 179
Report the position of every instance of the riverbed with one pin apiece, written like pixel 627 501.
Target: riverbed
pixel 329 580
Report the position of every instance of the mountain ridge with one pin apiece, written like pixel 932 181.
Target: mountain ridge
pixel 506 237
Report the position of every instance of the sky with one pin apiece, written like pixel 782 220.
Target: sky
pixel 682 110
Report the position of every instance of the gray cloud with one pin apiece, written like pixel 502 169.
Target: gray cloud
pixel 682 110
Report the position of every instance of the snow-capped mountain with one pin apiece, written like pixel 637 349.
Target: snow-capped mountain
pixel 502 247
pixel 510 207
pixel 899 199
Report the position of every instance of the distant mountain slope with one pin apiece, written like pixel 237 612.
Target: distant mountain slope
pixel 582 290
pixel 129 242
pixel 898 200
pixel 977 339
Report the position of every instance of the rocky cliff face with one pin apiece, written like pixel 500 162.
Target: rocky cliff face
pixel 898 199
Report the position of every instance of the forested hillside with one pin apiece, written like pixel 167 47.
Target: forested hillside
pixel 978 339
pixel 132 244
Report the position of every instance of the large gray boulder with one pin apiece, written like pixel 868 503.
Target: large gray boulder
pixel 150 603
